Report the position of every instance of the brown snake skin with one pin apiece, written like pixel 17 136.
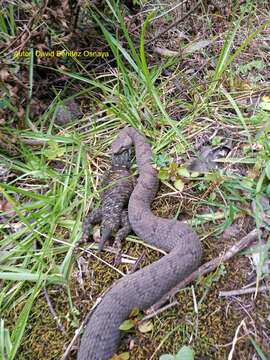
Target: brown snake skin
pixel 144 287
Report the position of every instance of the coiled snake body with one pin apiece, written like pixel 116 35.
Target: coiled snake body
pixel 144 287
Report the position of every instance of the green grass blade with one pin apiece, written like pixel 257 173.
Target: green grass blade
pixel 258 349
pixel 21 322
pixel 238 112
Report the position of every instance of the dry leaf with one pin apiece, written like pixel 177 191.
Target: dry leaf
pixel 96 234
pixel 207 159
pixel 4 75
pixel 265 103
pixel 165 52
pixel 146 326
pixel 196 46
pixel 7 208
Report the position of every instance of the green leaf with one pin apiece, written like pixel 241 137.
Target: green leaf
pixel 247 183
pixel 216 140
pixel 268 190
pixel 185 353
pixel 194 174
pixel 32 277
pixel 134 312
pixel 5 341
pixel 53 151
pixel 21 322
pixel 212 196
pixel 182 171
pixel 124 356
pixel 163 174
pixel 127 325
pixel 173 168
pixel 162 160
pixel 3 104
pixel 267 169
pixel 179 185
pixel 167 357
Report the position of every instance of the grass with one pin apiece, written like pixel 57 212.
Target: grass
pixel 55 182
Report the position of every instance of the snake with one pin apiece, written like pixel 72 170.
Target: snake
pixel 146 286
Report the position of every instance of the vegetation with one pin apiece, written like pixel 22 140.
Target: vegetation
pixel 200 93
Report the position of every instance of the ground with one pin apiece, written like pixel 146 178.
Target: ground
pixel 200 93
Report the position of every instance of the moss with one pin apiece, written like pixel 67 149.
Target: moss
pixel 210 332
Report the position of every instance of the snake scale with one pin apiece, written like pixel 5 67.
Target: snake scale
pixel 144 287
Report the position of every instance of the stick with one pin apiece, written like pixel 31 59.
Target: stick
pixel 207 268
pixel 78 331
pixel 159 311
pixel 27 28
pixel 137 263
pixel 242 323
pixel 243 291
pixel 52 311
pixel 75 337
pixel 84 322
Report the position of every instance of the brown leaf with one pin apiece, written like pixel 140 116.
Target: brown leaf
pixel 196 46
pixel 96 234
pixel 4 74
pixel 7 208
pixel 165 52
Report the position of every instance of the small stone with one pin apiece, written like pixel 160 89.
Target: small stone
pixel 67 112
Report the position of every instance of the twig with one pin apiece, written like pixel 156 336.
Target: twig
pixel 138 262
pixel 206 268
pixel 33 142
pixel 84 322
pixel 78 331
pixel 243 291
pixel 52 311
pixel 176 22
pixel 171 9
pixel 159 311
pixel 27 28
pixel 242 323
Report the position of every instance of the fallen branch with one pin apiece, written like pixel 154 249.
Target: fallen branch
pixel 243 291
pixel 207 268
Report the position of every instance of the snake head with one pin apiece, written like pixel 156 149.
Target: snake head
pixel 122 143
pixel 122 159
